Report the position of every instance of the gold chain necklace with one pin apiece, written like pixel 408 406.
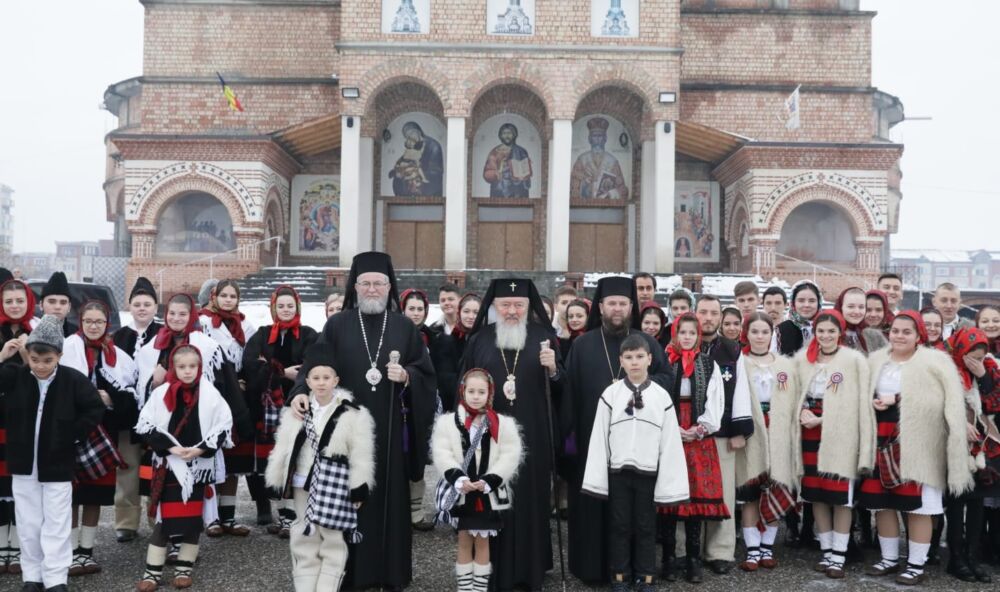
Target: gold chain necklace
pixel 509 387
pixel 615 377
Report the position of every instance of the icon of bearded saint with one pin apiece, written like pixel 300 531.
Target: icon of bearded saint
pixel 508 167
pixel 597 173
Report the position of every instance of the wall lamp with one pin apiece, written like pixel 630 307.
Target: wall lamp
pixel 350 92
pixel 665 96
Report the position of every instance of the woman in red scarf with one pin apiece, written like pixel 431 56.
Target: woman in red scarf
pixel 832 432
pixel 934 324
pixel 700 398
pixel 878 313
pixel 988 320
pixel 576 315
pixel 92 352
pixel 860 336
pixel 222 321
pixel 271 363
pixel 17 305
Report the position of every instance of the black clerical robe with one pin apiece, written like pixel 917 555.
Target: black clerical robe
pixel 588 372
pixel 384 557
pixel 522 552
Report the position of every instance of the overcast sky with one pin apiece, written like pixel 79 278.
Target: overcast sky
pixel 57 58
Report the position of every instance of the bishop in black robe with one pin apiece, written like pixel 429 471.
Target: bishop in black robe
pixel 590 368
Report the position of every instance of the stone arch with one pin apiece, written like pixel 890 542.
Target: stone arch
pixel 389 73
pixel 275 211
pixel 851 205
pixel 737 211
pixel 397 98
pixel 161 197
pixel 625 75
pixel 621 102
pixel 513 73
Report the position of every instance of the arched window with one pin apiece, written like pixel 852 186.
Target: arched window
pixel 194 223
pixel 817 231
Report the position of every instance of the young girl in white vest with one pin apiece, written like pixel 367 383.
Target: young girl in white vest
pixel 478 453
pixel 326 465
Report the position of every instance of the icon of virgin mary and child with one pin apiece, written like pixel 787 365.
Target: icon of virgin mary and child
pixel 420 169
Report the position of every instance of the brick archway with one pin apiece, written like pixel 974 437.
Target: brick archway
pixel 151 208
pixel 486 78
pixel 852 206
pixel 629 78
pixel 390 73
pixel 737 212
pixel 274 210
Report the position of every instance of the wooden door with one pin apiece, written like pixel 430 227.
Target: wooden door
pixel 506 245
pixel 415 245
pixel 520 246
pixel 598 240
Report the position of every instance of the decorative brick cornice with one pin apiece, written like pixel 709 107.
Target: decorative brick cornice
pixel 207 148
pixel 791 155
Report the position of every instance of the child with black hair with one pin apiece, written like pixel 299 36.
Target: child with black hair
pixel 326 465
pixel 478 453
pixel 636 462
pixel 49 408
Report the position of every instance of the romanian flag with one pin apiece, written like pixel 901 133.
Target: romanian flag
pixel 234 102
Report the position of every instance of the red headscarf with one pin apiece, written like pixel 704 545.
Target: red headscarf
pixel 292 325
pixel 887 315
pixel 860 327
pixel 29 308
pixel 812 353
pixel 233 319
pixel 918 321
pixel 188 391
pixel 686 356
pixel 487 409
pixel 165 336
pixel 585 304
pixel 103 344
pixel 960 344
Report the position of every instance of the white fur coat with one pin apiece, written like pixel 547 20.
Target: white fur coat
pixel 768 450
pixel 353 438
pixel 505 454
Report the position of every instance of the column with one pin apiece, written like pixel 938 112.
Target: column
pixel 350 188
pixel 647 202
pixel 663 181
pixel 455 201
pixel 557 214
pixel 366 193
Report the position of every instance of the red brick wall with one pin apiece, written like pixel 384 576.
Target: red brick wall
pixel 760 4
pixel 250 41
pixel 189 278
pixel 776 49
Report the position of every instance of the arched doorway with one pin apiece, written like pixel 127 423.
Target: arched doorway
pixel 507 179
pixel 194 222
pixel 818 232
pixel 604 179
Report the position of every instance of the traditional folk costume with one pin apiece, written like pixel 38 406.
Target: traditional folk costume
pixel 128 506
pixel 921 448
pixel 860 337
pixel 269 352
pixel 58 285
pixel 45 418
pixel 796 332
pixel 991 408
pixel 325 463
pixel 636 461
pixel 190 416
pixel 887 314
pixel 764 465
pixel 965 513
pixel 11 328
pixel 699 395
pixel 112 370
pixel 470 445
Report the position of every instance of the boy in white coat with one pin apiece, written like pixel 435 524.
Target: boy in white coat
pixel 636 462
pixel 341 431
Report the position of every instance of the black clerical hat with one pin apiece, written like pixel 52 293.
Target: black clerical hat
pixel 143 287
pixel 513 288
pixel 318 354
pixel 371 262
pixel 5 275
pixel 56 286
pixel 614 285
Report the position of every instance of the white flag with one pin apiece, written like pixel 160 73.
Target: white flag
pixel 792 108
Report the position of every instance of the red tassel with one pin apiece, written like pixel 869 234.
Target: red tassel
pixel 479 504
pixel 209 492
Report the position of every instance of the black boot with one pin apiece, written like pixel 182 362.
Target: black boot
pixel 692 544
pixel 792 528
pixel 934 554
pixel 668 536
pixel 991 550
pixel 807 538
pixel 959 567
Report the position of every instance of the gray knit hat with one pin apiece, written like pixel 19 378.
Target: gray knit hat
pixel 205 294
pixel 48 332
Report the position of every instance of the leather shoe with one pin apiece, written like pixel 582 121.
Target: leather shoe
pixel 125 535
pixel 720 567
pixel 424 525
pixel 59 588
pixel 33 587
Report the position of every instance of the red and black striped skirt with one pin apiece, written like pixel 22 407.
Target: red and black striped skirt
pixel 240 458
pixel 908 496
pixel 817 488
pixel 177 516
pixel 96 492
pixel 704 477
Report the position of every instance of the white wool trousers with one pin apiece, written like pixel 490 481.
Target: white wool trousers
pixel 319 559
pixel 44 520
pixel 720 535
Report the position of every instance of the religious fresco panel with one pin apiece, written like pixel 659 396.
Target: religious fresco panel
pixel 315 220
pixel 406 16
pixel 602 159
pixel 614 18
pixel 413 156
pixel 696 222
pixel 507 158
pixel 510 17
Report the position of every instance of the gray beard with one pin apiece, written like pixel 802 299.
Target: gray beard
pixel 372 305
pixel 512 337
pixel 614 330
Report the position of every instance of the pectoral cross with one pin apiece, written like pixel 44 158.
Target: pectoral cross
pixel 513 286
pixel 727 375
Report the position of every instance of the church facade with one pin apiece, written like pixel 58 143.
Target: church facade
pixel 584 135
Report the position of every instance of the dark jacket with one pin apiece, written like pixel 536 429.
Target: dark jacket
pixel 725 352
pixel 72 409
pixel 128 339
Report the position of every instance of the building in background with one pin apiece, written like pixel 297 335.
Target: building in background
pixel 6 224
pixel 76 259
pixel 660 141
pixel 928 268
pixel 34 265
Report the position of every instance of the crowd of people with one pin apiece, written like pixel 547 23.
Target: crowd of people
pixel 641 424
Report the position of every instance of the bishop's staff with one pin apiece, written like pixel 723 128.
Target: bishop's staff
pixel 545 346
pixel 393 361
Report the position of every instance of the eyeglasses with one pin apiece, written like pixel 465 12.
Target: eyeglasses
pixel 91 323
pixel 380 285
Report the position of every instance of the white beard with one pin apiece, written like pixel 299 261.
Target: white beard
pixel 372 306
pixel 512 337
